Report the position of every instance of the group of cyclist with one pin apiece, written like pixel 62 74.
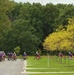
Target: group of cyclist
pixel 37 56
pixel 10 56
pixel 61 55
pixel 13 56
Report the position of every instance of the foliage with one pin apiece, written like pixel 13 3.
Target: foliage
pixel 17 50
pixel 61 39
pixel 27 25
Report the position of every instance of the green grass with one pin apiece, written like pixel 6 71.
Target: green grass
pixel 53 64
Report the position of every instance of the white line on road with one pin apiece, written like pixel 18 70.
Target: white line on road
pixel 24 66
pixel 42 68
pixel 48 72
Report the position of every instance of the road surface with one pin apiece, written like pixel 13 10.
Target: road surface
pixel 11 67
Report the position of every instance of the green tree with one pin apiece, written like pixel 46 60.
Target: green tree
pixel 49 18
pixel 17 50
pixel 24 36
pixel 66 11
pixel 5 24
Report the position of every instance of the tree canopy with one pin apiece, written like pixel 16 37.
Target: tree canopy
pixel 26 26
pixel 61 39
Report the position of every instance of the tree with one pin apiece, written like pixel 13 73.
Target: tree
pixel 61 40
pixel 27 25
pixel 66 11
pixel 5 24
pixel 23 36
pixel 14 10
pixel 50 13
pixel 17 50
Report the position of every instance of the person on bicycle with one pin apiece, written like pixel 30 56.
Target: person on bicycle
pixel 24 56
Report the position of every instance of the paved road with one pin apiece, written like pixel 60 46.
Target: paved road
pixel 11 67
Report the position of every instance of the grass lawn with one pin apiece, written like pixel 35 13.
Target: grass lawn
pixel 51 64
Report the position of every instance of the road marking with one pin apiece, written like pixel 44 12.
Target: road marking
pixel 24 66
pixel 48 72
pixel 29 65
pixel 42 68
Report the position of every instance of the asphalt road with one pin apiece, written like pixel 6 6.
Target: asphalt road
pixel 11 67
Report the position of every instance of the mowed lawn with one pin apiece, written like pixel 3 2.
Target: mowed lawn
pixel 50 65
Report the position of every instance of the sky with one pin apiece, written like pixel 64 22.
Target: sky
pixel 44 2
